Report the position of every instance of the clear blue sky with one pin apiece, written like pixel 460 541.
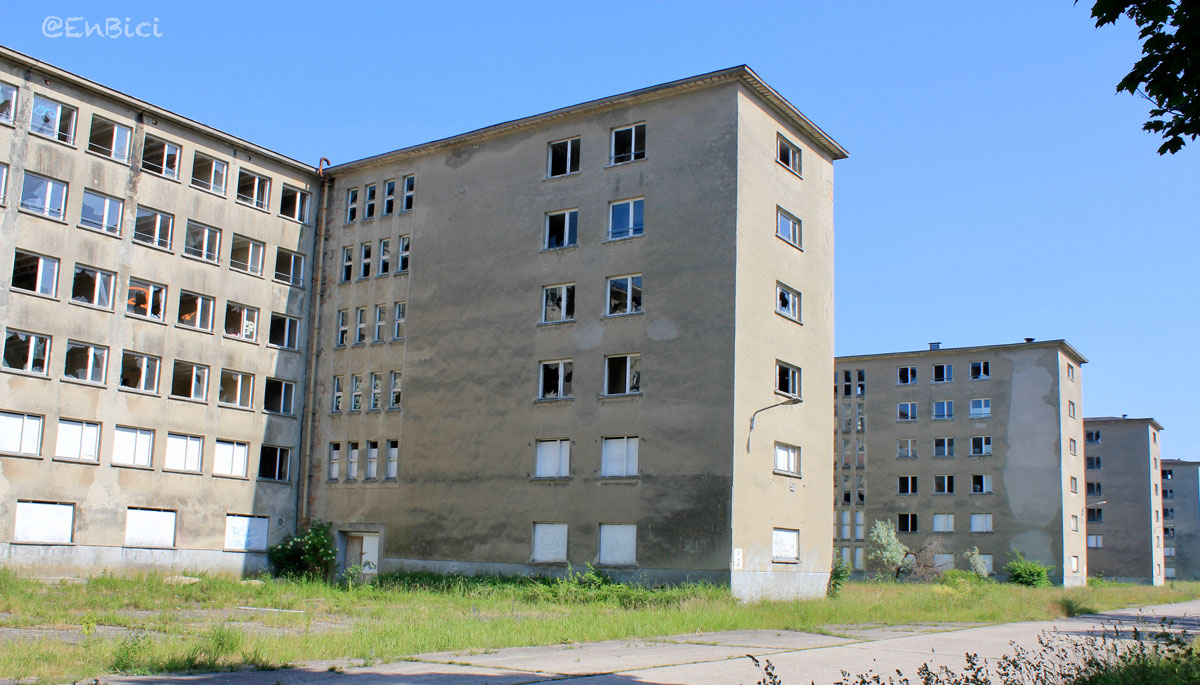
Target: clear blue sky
pixel 997 187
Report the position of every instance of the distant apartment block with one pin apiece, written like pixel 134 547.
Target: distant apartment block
pixel 971 447
pixel 1128 504
pixel 1181 519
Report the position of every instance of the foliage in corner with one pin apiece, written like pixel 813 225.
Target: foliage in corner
pixel 886 549
pixel 1167 75
pixel 1027 572
pixel 975 560
pixel 838 575
pixel 308 554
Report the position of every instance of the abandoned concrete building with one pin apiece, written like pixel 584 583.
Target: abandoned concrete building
pixel 970 447
pixel 480 354
pixel 1181 519
pixel 1126 519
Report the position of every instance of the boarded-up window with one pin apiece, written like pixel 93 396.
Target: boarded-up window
pixel 553 458
pixel 78 440
pixel 44 522
pixel 618 544
pixel 20 433
pixel 149 528
pixel 785 544
pixel 549 542
pixel 246 533
pixel 132 446
pixel 183 452
pixel 619 457
pixel 230 458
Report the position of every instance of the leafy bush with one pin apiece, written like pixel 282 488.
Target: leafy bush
pixel 838 576
pixel 959 578
pixel 1027 572
pixel 886 549
pixel 308 554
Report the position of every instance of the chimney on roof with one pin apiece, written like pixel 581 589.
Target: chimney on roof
pixel 1124 416
pixel 935 346
pixel 1028 340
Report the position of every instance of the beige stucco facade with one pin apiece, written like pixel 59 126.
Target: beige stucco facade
pixel 85 478
pixel 1126 500
pixel 467 495
pixel 1003 422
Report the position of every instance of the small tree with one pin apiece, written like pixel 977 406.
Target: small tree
pixel 1027 572
pixel 308 554
pixel 886 549
pixel 837 576
pixel 976 562
pixel 922 563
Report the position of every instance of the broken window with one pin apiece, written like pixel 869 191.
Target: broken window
pixel 628 143
pixel 360 325
pixel 8 102
pixel 153 227
pixel 246 255
pixel 380 322
pixel 402 254
pixel 981 446
pixel 385 257
pixel 788 227
pixel 273 462
pixel 787 302
pixel 625 219
pixel 625 295
pixel 981 484
pixel 284 332
pixel 401 313
pixel 558 303
pixel 254 189
pixel 622 374
pixel 195 311
pixel 86 362
pixel 294 204
pixel 139 372
pixel 943 410
pixel 160 157
pixel 369 203
pixel 26 351
pixel 396 390
pixel 787 458
pixel 906 448
pixel 343 328
pixel 278 395
pixel 109 139
pixel 619 457
pixel 943 373
pixel 364 264
pixel 347 263
pixel 209 173
pixel 555 382
pixel 392 470
pixel 101 212
pixel 44 196
pixel 53 120
pixel 241 321
pixel 553 459
pixel 410 193
pixel 144 298
pixel 202 242
pixel 351 205
pixel 189 381
pixel 376 397
pixel 787 379
pixel 906 523
pixel 906 411
pixel 563 158
pixel 789 155
pixel 289 267
pixel 906 485
pixel 35 273
pixel 237 388
pixel 335 404
pixel 943 447
pixel 389 197
pixel 355 392
pixel 906 375
pixel 562 229
pixel 980 370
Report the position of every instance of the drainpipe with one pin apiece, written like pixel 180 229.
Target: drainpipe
pixel 303 502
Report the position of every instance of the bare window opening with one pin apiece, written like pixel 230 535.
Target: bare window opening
pixel 160 157
pixel 273 462
pixel 369 202
pixel 564 158
pixel 189 380
pixel 237 388
pixel 209 173
pixel 139 372
pixel 195 311
pixel 253 189
pixel 787 379
pixel 109 139
pixel 152 227
pixel 86 362
pixel 789 156
pixel 278 396
pixel 35 273
pixel 285 331
pixel 622 374
pixel 202 242
pixel 53 120
pixel 289 267
pixel 351 205
pixel 562 229
pixel 241 321
pixel 145 299
pixel 629 144
pixel 246 255
pixel 555 380
pixel 410 193
pixel 294 204
pixel 26 351
pixel 558 303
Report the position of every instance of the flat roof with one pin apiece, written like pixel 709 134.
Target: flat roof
pixel 742 72
pixel 1059 343
pixel 148 108
pixel 1117 419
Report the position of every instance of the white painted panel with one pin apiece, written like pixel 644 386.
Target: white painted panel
pixel 183 452
pixel 247 533
pixel 618 543
pixel 132 446
pixel 549 542
pixel 785 544
pixel 31 435
pixel 149 528
pixel 70 433
pixel 370 552
pixel 619 457
pixel 41 522
pixel 10 432
pixel 223 458
pixel 89 448
pixel 553 458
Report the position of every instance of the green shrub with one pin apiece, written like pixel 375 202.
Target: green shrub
pixel 959 578
pixel 308 554
pixel 1027 572
pixel 838 576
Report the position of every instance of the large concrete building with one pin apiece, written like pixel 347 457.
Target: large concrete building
pixel 971 447
pixel 154 300
pixel 512 368
pixel 1181 519
pixel 516 369
pixel 1124 519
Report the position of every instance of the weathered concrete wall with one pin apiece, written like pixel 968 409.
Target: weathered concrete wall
pixel 1185 486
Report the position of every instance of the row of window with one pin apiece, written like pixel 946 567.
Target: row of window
pixel 627 143
pixel 408 193
pixel 943 410
pixel 132 446
pixel 943 373
pixel 57 121
pixel 373 391
pixel 382 260
pixel 907 448
pixel 156 229
pixel 618 544
pixel 354 455
pixel 618 458
pixel 380 324
pixel 30 353
pixel 95 287
pixel 622 376
pixel 981 484
pixel 54 523
pixel 943 523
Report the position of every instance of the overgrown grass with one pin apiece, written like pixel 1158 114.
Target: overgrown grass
pixel 201 627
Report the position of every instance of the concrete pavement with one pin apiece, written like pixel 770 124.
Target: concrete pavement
pixel 710 657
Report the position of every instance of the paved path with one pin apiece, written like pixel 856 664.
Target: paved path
pixel 799 658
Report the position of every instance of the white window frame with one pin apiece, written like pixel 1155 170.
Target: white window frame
pixel 45 279
pixel 133 446
pixel 787 302
pixel 365 259
pixel 637 134
pixel 787 458
pixel 614 534
pixel 351 205
pixel 788 379
pixel 906 375
pixel 570 147
pixel 981 523
pixel 163 166
pixel 342 333
pixel 396 390
pixel 628 378
pixel 255 254
pixel 409 186
pixel 392 466
pixel 243 389
pixel 402 253
pixel 981 408
pixel 37 352
pixel 352 458
pixel 380 322
pixel 552 459
pixel 385 257
pixel 96 368
pixel 787 154
pixel 565 370
pixel 631 286
pixel 231 458
pixel 943 523
pixel 570 229
pixel 356 392
pixel 985 446
pixel 985 483
pixel 217 177
pixel 58 120
pixel 8 101
pixel 209 247
pixel 943 484
pixel 947 373
pixel 260 187
pixel 372 460
pixel 119 137
pixel 375 385
pixel 299 200
pixel 335 402
pixel 943 410
pixel 245 319
pixel 184 453
pixel 907 485
pixel 21 433
pixel 906 411
pixel 293 274
pixel 290 326
pixel 103 283
pixel 789 228
pixel 49 196
pixel 199 380
pixel 360 325
pixel 620 456
pixel 389 197
pixel 561 296
pixel 946 445
pixel 335 460
pixel 981 370
pixel 370 193
pixel 631 229
pixel 77 441
pixel 401 313
pixel 203 310
pixel 286 393
pixel 158 236
pixel 111 211
pixel 147 367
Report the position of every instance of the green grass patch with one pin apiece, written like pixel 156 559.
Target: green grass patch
pixel 203 627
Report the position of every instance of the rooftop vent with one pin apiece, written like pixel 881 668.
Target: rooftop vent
pixel 1028 340
pixel 935 346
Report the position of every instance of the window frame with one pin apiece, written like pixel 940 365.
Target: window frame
pixel 571 157
pixel 985 446
pixel 564 294
pixel 252 266
pixel 138 436
pixel 261 187
pixel 199 378
pixel 287 396
pixel 40 287
pixel 792 461
pixel 248 315
pixel 209 250
pixel 794 228
pixel 795 380
pixel 636 206
pixel 24 441
pixel 210 184
pixel 635 153
pixel 169 149
pixel 33 342
pixel 795 160
pixel 791 311
pixel 110 151
pixel 51 187
pixel 99 277
pixel 565 370
pixel 552 466
pixel 291 332
pixel 141 361
pixel 634 294
pixel 570 229
pixel 302 200
pixel 980 370
pixel 243 389
pixel 629 465
pixel 156 239
pixel 193 447
pixel 984 408
pixel 58 133
pixel 110 206
pixel 632 383
pixel 351 205
pixel 906 411
pixel 239 456
pixel 97 362
pixel 294 276
pixel 84 427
